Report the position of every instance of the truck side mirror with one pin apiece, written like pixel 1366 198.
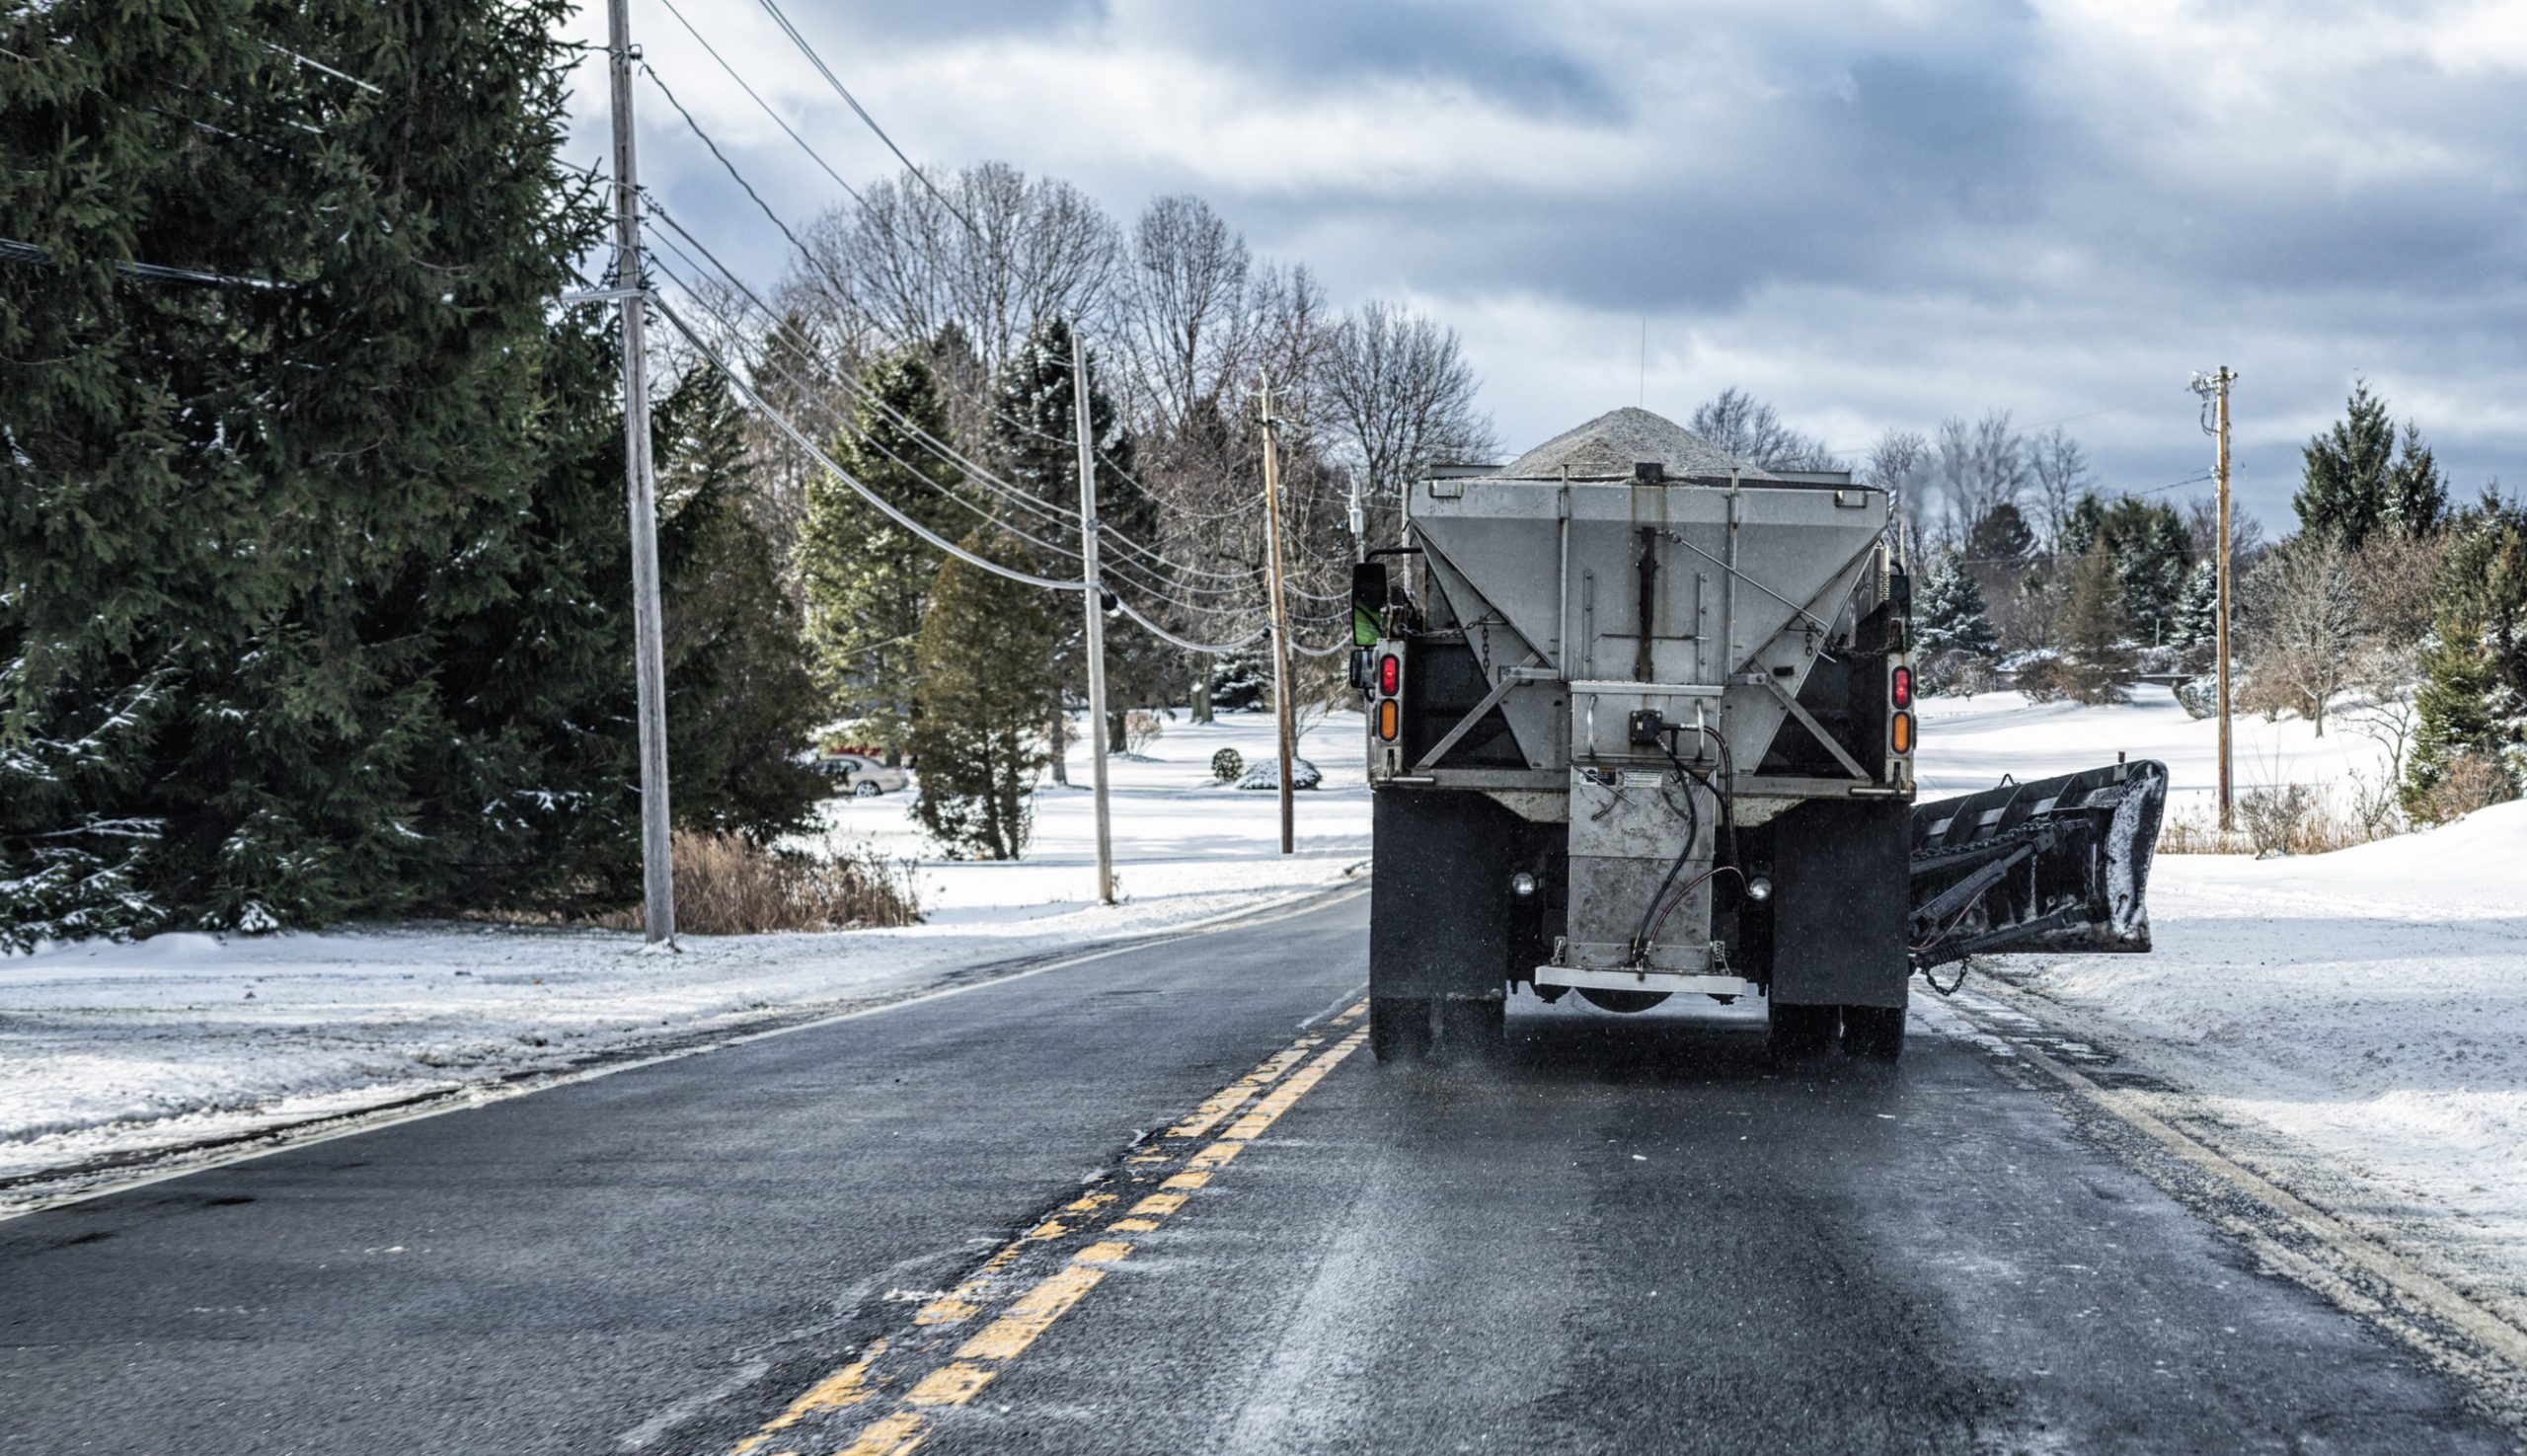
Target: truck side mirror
pixel 1368 603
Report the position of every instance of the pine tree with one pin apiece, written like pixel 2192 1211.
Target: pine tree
pixel 1035 425
pixel 2092 629
pixel 2416 494
pixel 2151 548
pixel 986 672
pixel 2473 697
pixel 1951 614
pixel 312 563
pixel 2344 487
pixel 866 576
pixel 2001 538
pixel 742 702
pixel 2197 612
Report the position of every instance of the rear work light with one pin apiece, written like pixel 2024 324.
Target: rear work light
pixel 1900 732
pixel 1903 687
pixel 1390 674
pixel 1388 718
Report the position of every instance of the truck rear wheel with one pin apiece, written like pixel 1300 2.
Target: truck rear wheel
pixel 1398 1027
pixel 1874 1032
pixel 1801 1031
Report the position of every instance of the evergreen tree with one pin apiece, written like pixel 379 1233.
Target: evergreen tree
pixel 2197 612
pixel 2473 697
pixel 986 671
pixel 1950 615
pixel 2092 629
pixel 742 703
pixel 1035 427
pixel 313 560
pixel 2344 487
pixel 2001 538
pixel 2416 494
pixel 866 576
pixel 2151 550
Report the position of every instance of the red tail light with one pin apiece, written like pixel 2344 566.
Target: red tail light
pixel 1903 687
pixel 1390 674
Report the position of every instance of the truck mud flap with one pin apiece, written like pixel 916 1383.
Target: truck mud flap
pixel 2056 864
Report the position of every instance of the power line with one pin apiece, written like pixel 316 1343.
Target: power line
pixel 946 452
pixel 1117 570
pixel 16 251
pixel 758 100
pixel 722 157
pixel 328 70
pixel 799 438
pixel 818 62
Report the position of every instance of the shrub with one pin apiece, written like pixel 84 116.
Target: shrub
pixel 1954 674
pixel 1141 728
pixel 2471 781
pixel 2276 815
pixel 1226 765
pixel 728 885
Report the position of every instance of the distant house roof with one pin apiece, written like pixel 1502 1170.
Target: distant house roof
pixel 1615 441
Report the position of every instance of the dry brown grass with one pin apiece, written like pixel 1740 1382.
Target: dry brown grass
pixel 2473 781
pixel 726 885
pixel 2286 819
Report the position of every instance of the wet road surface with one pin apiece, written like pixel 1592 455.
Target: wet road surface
pixel 1164 1201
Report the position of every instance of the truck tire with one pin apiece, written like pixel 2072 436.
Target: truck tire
pixel 1799 1033
pixel 1874 1032
pixel 1398 1027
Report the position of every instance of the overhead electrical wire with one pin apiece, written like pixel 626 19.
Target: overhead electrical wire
pixel 1117 571
pixel 809 51
pixel 748 89
pixel 974 469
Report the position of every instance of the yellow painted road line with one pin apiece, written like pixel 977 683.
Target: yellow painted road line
pixel 936 1369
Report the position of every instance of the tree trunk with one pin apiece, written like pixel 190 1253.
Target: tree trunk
pixel 1060 735
pixel 1202 692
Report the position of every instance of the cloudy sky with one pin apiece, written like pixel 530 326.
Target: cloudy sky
pixel 1870 216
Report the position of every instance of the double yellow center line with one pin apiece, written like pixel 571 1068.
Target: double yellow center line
pixel 883 1403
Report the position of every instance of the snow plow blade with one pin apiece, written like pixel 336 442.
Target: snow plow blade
pixel 2053 864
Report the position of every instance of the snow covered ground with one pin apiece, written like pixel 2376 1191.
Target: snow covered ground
pixel 111 1049
pixel 2370 1004
pixel 1967 743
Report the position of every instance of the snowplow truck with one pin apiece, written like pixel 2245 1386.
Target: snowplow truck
pixel 1641 724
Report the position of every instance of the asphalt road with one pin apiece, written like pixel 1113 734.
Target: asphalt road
pixel 1630 1234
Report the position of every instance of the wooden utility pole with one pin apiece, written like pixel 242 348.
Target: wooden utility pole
pixel 2220 383
pixel 1281 623
pixel 648 647
pixel 1095 599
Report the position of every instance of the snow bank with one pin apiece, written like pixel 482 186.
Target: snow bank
pixel 107 1049
pixel 2370 1004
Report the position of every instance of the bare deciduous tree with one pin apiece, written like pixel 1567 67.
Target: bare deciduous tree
pixel 2303 618
pixel 1899 464
pixel 1752 431
pixel 1977 467
pixel 1183 305
pixel 1401 396
pixel 2062 477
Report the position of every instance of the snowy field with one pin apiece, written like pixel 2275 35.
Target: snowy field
pixel 115 1050
pixel 2370 1004
pixel 1967 743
